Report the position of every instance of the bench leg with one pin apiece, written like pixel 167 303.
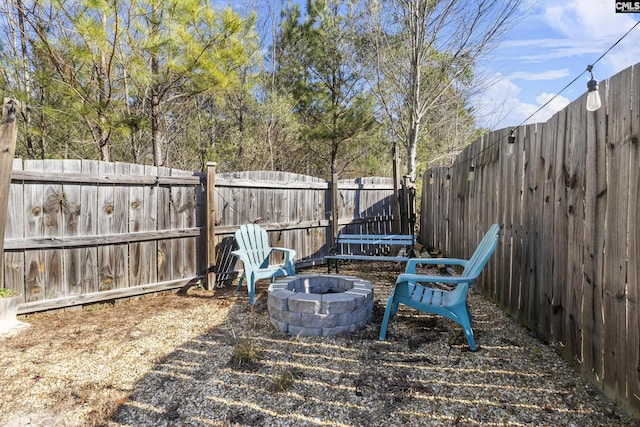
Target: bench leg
pixel 329 265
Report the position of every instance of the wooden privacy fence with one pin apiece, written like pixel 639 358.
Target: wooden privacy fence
pixel 568 202
pixel 296 210
pixel 81 231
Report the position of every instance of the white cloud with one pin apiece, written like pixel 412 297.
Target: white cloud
pixel 500 106
pixel 555 104
pixel 545 75
pixel 584 19
pixel 555 43
pixel 593 27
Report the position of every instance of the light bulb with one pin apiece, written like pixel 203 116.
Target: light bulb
pixel 511 143
pixel 447 181
pixel 431 180
pixel 471 174
pixel 593 97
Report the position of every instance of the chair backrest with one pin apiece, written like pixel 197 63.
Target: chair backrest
pixel 483 252
pixel 254 240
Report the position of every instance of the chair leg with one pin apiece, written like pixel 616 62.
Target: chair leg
pixel 240 283
pixel 251 287
pixel 468 332
pixel 394 308
pixel 465 321
pixel 385 320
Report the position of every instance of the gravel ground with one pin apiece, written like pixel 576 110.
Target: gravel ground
pixel 202 358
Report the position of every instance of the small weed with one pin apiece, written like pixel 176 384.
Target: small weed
pixel 245 352
pixel 96 307
pixel 282 380
pixel 4 292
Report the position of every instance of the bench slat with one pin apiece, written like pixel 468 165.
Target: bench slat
pixel 345 241
pixel 368 257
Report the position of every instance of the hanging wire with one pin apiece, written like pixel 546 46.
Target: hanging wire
pixel 588 69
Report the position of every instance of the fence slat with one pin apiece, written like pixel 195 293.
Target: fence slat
pixel 34 259
pixel 615 338
pixel 633 270
pixel 71 206
pixel 575 223
pixel 89 211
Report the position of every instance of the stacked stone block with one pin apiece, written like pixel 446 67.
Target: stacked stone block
pixel 320 304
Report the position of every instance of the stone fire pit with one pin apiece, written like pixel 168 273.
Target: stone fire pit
pixel 320 304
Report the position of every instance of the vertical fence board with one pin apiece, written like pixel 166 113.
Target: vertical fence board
pixel 71 206
pixel 575 233
pixel 618 154
pixel 89 212
pixel 595 204
pixel 164 223
pixel 52 208
pixel 633 271
pixel 150 214
pixel 504 193
pixel 560 234
pixel 176 254
pixel 34 227
pixel 189 205
pixel 120 225
pixel 517 217
pixel 530 227
pixel 106 256
pixel 138 267
pixel 547 184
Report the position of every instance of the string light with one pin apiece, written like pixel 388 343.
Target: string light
pixel 594 92
pixel 593 97
pixel 512 142
pixel 431 180
pixel 472 173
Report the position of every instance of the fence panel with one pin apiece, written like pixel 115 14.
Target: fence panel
pixel 570 234
pixel 86 231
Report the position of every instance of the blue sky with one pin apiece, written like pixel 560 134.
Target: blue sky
pixel 553 44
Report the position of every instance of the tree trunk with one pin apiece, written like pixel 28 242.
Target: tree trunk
pixel 27 81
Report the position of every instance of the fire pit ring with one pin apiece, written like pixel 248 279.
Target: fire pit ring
pixel 320 304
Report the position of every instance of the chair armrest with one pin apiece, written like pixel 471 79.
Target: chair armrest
pixel 413 262
pixel 433 279
pixel 240 253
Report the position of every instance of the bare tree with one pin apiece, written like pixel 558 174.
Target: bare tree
pixel 425 52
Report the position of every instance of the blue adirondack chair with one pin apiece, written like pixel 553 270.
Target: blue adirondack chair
pixel 255 253
pixel 411 290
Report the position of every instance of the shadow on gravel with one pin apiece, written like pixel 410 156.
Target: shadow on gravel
pixel 245 373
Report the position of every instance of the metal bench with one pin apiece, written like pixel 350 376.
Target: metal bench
pixel 370 247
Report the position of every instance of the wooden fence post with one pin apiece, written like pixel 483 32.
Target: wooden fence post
pixel 8 136
pixel 211 225
pixel 397 223
pixel 335 215
pixel 408 208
